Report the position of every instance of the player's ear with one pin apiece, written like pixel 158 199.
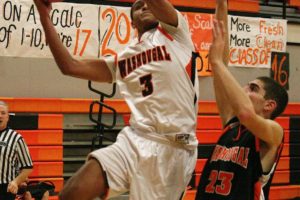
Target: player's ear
pixel 270 105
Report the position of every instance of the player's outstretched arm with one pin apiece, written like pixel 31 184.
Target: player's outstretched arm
pixel 95 70
pixel 225 110
pixel 222 15
pixel 267 130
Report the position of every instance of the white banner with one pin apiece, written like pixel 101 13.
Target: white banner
pixel 86 30
pixel 253 39
pixel 95 30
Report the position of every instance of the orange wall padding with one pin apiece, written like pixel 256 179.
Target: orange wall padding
pixel 294 3
pixel 42 137
pixel 64 105
pixel 50 121
pixel 46 153
pixel 47 169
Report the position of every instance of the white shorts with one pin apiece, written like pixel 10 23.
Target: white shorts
pixel 147 169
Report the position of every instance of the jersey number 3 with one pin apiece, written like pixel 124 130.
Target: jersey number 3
pixel 224 187
pixel 146 82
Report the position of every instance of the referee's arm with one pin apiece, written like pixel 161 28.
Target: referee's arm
pixel 25 163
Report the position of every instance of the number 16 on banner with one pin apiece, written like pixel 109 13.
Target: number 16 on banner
pixel 280 68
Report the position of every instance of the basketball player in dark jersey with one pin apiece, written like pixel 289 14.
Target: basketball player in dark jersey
pixel 243 162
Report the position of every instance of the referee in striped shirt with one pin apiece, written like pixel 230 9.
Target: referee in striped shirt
pixel 15 160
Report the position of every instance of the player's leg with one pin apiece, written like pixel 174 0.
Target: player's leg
pixel 46 195
pixel 163 171
pixel 27 196
pixel 117 162
pixel 105 174
pixel 88 182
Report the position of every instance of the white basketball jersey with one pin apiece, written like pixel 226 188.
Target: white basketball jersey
pixel 155 78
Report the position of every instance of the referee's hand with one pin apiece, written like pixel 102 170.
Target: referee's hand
pixel 12 187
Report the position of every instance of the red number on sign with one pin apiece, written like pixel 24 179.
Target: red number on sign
pixel 127 22
pixel 88 33
pixel 280 75
pixel 115 28
pixel 105 50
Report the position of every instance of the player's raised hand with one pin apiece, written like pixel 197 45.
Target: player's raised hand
pixel 216 51
pixel 44 7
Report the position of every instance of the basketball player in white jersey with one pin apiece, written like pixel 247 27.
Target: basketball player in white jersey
pixel 155 156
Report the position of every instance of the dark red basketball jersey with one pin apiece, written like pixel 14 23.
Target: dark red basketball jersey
pixel 234 170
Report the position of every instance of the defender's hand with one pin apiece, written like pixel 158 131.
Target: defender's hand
pixel 216 51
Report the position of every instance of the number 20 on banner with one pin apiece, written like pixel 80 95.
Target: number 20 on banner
pixel 114 28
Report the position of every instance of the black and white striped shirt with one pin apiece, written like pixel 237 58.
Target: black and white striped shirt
pixel 14 155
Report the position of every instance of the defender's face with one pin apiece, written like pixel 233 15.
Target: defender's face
pixel 142 17
pixel 3 117
pixel 256 92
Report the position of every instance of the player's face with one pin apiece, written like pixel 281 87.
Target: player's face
pixel 142 17
pixel 3 117
pixel 256 93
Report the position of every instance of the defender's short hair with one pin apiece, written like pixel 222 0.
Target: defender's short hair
pixel 275 92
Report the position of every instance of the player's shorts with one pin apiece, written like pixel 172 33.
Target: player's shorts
pixel 148 169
